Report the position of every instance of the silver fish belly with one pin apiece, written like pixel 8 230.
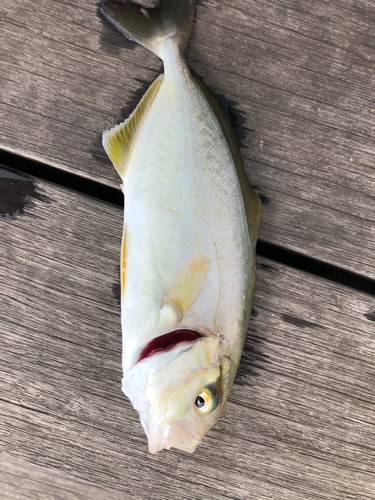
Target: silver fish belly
pixel 190 227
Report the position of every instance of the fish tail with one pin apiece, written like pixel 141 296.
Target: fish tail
pixel 151 28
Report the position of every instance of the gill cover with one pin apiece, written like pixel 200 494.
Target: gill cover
pixel 167 390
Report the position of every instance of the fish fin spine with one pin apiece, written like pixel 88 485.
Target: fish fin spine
pixel 172 20
pixel 118 141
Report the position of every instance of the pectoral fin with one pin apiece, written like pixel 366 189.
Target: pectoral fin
pixel 188 282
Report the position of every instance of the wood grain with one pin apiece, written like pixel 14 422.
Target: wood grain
pixel 23 481
pixel 301 78
pixel 299 423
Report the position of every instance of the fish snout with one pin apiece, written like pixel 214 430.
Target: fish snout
pixel 178 435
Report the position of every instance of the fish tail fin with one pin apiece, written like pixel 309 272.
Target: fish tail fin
pixel 151 28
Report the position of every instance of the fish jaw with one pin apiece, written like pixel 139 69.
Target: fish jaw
pixel 164 387
pixel 180 435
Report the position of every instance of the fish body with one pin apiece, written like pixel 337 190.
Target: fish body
pixel 190 227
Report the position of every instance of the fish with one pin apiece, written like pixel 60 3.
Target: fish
pixel 191 223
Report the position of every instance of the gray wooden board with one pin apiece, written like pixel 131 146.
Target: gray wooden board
pixel 301 75
pixel 24 481
pixel 299 423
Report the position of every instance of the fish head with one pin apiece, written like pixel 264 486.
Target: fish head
pixel 178 393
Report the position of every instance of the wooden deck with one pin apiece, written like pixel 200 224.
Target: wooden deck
pixel 300 421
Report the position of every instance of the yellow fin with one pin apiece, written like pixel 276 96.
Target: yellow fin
pixel 188 282
pixel 253 210
pixel 118 141
pixel 253 205
pixel 123 264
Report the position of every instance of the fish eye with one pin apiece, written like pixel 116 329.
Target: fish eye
pixel 206 401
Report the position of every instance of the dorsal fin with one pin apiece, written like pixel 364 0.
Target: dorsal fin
pixel 253 205
pixel 118 141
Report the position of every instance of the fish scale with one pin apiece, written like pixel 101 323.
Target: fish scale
pixel 190 227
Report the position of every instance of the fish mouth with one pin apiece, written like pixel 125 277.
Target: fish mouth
pixel 168 341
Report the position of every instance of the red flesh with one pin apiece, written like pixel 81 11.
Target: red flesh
pixel 167 341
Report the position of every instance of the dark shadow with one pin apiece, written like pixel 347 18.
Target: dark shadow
pixel 370 316
pixel 300 322
pixel 116 287
pixel 252 359
pixel 236 117
pixel 97 151
pixel 134 100
pixel 316 267
pixel 62 178
pixel 17 193
pixel 110 39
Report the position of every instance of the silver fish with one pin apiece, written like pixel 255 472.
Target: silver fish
pixel 190 227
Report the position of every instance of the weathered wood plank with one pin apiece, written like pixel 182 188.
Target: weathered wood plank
pixel 301 75
pixel 299 424
pixel 22 481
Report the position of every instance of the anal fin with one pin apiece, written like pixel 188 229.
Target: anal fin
pixel 123 264
pixel 118 141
